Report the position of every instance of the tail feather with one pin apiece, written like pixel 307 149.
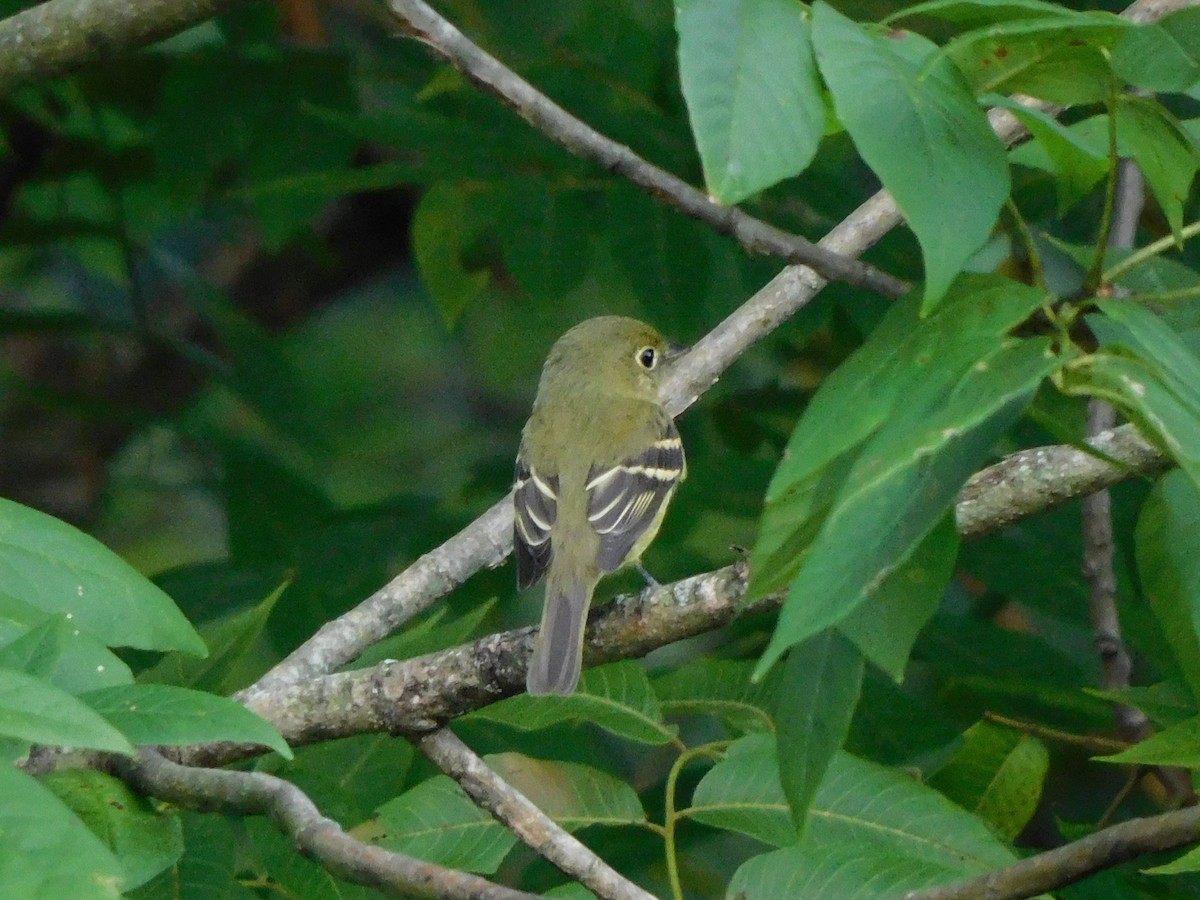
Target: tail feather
pixel 558 647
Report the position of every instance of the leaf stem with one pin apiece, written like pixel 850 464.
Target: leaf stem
pixel 1116 270
pixel 671 818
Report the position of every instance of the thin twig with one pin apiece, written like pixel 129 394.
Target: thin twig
pixel 1073 862
pixel 581 139
pixel 257 793
pixel 525 820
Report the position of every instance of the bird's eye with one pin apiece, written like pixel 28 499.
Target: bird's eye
pixel 647 357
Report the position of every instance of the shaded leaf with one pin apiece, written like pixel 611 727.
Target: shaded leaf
pixel 65 656
pixel 718 687
pixel 750 83
pixel 909 123
pixel 59 569
pixel 1162 55
pixel 35 710
pixel 998 775
pixel 145 840
pixel 616 697
pixel 48 852
pixel 175 716
pixel 816 698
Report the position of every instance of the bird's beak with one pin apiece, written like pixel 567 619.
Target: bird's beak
pixel 675 350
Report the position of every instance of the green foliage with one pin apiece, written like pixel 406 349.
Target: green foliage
pixel 273 317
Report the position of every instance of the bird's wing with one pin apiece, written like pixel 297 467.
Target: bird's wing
pixel 626 499
pixel 535 502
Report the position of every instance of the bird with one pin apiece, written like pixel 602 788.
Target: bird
pixel 599 461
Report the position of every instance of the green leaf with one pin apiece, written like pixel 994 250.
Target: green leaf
pixel 436 821
pixel 860 804
pixel 1166 703
pixel 818 692
pixel 616 697
pixel 1167 544
pixel 843 871
pixel 294 875
pixel 57 568
pixel 230 639
pixel 1162 55
pixel 1164 151
pixel 439 239
pixel 1178 745
pixel 175 716
pixel 145 840
pixel 34 710
pixel 1077 164
pixel 65 656
pixel 207 868
pixel 1060 59
pixel 1149 373
pixel 977 13
pixel 1189 862
pixel 922 133
pixel 885 626
pixel 48 852
pixel 743 793
pixel 942 398
pixel 431 633
pixel 719 687
pixel 751 90
pixel 998 775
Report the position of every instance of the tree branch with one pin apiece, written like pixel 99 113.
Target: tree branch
pixel 525 820
pixel 60 35
pixel 1075 861
pixel 257 793
pixel 581 139
pixel 424 693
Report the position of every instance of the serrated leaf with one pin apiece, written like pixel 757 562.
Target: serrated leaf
pixel 144 839
pixel 616 697
pixel 59 569
pixel 176 716
pixel 818 692
pixel 719 687
pixel 37 711
pixel 1162 55
pixel 64 655
pixel 230 638
pixel 1167 546
pixel 436 821
pixel 750 84
pixel 48 852
pixel 886 625
pixel 998 775
pixel 908 124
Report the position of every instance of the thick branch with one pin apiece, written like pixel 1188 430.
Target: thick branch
pixel 422 694
pixel 1071 863
pixel 60 35
pixel 257 793
pixel 537 830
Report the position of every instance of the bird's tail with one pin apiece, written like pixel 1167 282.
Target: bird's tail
pixel 558 647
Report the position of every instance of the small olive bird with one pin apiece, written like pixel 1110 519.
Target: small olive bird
pixel 600 458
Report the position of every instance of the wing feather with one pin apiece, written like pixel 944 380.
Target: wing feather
pixel 535 509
